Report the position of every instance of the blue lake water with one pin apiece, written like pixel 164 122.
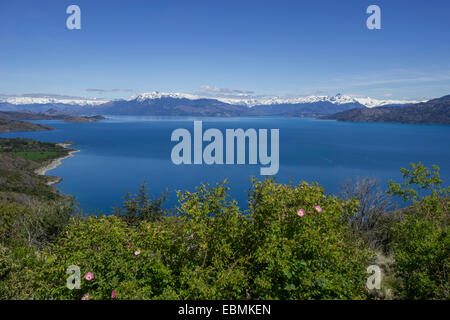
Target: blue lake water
pixel 120 153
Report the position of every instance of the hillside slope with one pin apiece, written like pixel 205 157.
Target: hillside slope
pixel 436 111
pixel 7 125
pixel 19 159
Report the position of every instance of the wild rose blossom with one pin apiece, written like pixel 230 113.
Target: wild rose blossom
pixel 136 253
pixel 113 294
pixel 85 297
pixel 318 209
pixel 89 276
pixel 300 212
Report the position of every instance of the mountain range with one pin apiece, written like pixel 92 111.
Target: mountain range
pixel 436 111
pixel 242 99
pixel 184 106
pixel 338 107
pixel 178 104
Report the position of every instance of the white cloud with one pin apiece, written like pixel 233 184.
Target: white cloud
pixel 109 90
pixel 224 90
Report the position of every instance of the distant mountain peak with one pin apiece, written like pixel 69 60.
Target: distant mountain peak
pixel 159 95
pixel 49 100
pixel 251 101
pixel 436 111
pixel 238 100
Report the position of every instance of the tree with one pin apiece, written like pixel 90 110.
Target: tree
pixel 421 241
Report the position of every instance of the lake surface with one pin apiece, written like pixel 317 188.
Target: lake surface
pixel 120 153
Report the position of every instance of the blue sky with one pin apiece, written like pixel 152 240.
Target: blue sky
pixel 264 47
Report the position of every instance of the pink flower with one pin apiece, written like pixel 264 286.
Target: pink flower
pixel 89 276
pixel 113 294
pixel 318 209
pixel 340 244
pixel 300 212
pixel 191 236
pixel 128 245
pixel 85 297
pixel 136 253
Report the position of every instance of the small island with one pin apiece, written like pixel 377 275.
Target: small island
pixel 50 114
pixel 11 121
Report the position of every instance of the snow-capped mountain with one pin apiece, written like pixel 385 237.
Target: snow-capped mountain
pixel 251 101
pixel 48 100
pixel 436 111
pixel 236 100
pixel 180 104
pixel 159 95
pixel 371 102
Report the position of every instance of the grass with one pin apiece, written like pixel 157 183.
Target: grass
pixel 37 155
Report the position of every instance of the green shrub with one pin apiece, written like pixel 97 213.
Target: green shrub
pixel 19 268
pixel 213 250
pixel 293 242
pixel 421 241
pixel 309 257
pixel 35 225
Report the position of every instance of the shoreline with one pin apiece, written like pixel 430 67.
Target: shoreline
pixel 42 171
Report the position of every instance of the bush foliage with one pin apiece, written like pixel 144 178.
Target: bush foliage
pixel 293 242
pixel 421 240
pixel 210 249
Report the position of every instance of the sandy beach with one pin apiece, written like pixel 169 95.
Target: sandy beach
pixel 55 163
